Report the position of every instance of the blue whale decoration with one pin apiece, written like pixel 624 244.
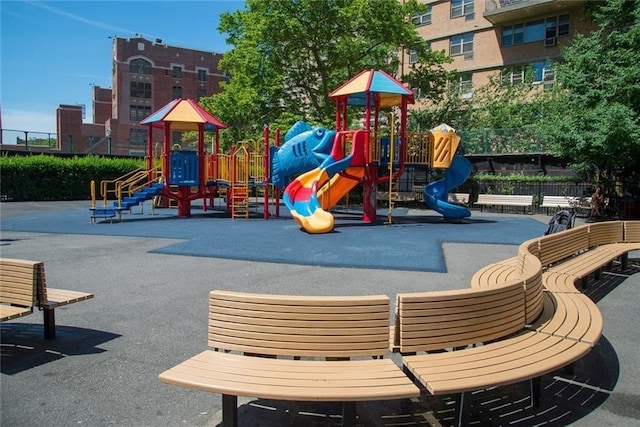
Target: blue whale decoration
pixel 304 149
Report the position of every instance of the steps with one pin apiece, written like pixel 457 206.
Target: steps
pixel 147 193
pixel 109 212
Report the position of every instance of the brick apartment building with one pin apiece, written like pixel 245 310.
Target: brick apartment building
pixel 486 37
pixel 146 75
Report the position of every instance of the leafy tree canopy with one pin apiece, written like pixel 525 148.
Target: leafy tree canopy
pixel 593 116
pixel 288 55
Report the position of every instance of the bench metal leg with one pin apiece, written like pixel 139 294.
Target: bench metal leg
pixel 349 414
pixel 461 416
pixel 49 324
pixel 624 260
pixel 536 391
pixel 229 410
pixel 585 282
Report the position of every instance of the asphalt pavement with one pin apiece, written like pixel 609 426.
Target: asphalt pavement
pixel 151 276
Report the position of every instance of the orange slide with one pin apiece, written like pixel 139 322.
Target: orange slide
pixel 339 186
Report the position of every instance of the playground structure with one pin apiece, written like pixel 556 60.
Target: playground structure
pixel 372 156
pixel 316 167
pixel 182 176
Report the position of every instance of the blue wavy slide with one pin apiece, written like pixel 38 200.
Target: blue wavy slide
pixel 436 194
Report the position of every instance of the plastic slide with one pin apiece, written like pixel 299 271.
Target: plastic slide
pixel 339 186
pixel 302 196
pixel 436 194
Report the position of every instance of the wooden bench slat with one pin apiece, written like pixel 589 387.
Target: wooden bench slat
pixel 438 320
pixel 605 233
pixel 482 368
pixel 632 231
pixel 9 312
pixel 572 316
pixel 378 379
pixel 61 297
pixel 558 246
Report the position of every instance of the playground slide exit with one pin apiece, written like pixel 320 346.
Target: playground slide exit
pixel 308 196
pixel 436 194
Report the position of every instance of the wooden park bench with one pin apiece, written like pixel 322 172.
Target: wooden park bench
pixel 476 338
pixel 503 200
pixel 565 202
pixel 559 325
pixel 572 255
pixel 300 348
pixel 23 287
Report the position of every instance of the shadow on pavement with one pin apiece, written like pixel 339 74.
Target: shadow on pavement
pixel 23 346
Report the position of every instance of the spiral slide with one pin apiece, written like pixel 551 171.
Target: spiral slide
pixel 436 194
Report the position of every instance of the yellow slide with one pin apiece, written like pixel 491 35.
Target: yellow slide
pixel 339 186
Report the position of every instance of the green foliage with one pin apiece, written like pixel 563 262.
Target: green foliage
pixel 593 117
pixel 45 177
pixel 287 57
pixel 518 177
pixel 492 106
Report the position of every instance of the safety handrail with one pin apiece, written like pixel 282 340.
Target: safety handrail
pixel 128 184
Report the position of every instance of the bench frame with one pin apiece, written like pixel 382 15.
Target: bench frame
pixel 29 275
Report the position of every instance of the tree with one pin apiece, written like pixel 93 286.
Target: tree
pixel 288 55
pixel 593 115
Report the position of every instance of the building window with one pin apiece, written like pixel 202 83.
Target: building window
pixel 462 8
pixel 140 90
pixel 413 56
pixel 422 19
pixel 177 92
pixel 177 72
pixel 461 44
pixel 539 72
pixel 138 136
pixel 512 75
pixel 202 75
pixel 543 73
pixel 140 66
pixel 138 112
pixel 465 85
pixel 537 30
pixel 201 93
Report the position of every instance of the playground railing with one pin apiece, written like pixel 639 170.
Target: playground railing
pixel 109 186
pixel 127 184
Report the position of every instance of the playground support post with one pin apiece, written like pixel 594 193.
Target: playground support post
pixel 265 165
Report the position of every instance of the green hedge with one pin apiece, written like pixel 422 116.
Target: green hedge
pixel 47 177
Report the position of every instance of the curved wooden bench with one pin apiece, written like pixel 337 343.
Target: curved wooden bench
pixel 562 324
pixel 261 329
pixel 476 338
pixel 525 267
pixel 574 254
pixel 570 315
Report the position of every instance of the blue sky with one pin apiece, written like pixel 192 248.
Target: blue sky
pixel 53 51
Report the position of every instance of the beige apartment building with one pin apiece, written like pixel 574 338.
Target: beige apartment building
pixel 503 37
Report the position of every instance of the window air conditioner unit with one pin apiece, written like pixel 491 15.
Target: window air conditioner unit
pixel 550 41
pixel 468 56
